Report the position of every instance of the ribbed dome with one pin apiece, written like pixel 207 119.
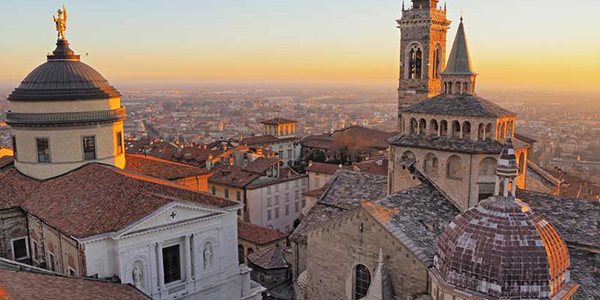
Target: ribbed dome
pixel 63 77
pixel 503 249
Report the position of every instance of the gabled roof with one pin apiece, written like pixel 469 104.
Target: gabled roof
pixel 269 258
pixel 96 198
pixel 459 61
pixel 324 168
pixel 160 168
pixel 232 176
pixel 261 164
pixel 259 235
pixel 278 121
pixel 459 105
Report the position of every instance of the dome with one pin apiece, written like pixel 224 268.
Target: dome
pixel 63 77
pixel 501 248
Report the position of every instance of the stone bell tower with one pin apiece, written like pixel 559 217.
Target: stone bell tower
pixel 423 29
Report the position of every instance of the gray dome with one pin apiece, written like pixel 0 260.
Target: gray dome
pixel 63 77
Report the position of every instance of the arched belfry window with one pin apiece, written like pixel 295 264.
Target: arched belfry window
pixel 362 281
pixel 437 62
pixel 415 62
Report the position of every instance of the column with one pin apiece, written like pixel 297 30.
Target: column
pixel 461 129
pixel 506 182
pixel 195 261
pixel 161 267
pixel 514 187
pixel 439 133
pixel 497 186
pixel 188 259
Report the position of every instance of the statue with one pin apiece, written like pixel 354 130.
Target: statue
pixel 207 256
pixel 61 22
pixel 137 277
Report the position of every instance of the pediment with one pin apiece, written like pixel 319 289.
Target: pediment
pixel 171 214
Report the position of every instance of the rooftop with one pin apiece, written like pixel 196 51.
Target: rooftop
pixel 278 121
pixel 271 257
pixel 160 168
pixel 452 144
pixel 259 235
pixel 459 105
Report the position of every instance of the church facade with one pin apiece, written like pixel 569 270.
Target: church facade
pixel 75 207
pixel 454 220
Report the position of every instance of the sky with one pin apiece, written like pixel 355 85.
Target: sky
pixel 533 44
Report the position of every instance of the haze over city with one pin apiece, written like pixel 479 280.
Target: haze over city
pixel 529 45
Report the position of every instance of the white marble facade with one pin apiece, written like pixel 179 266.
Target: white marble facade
pixel 206 240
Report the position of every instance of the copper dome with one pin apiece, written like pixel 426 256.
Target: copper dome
pixel 63 77
pixel 503 249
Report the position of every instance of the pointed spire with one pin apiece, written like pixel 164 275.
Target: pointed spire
pixel 380 288
pixel 459 62
pixel 402 5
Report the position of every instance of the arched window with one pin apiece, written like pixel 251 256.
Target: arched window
pixel 445 88
pixel 413 126
pixel 433 127
pixel 241 257
pixel 457 87
pixel 450 88
pixel 502 132
pixel 465 87
pixel 454 168
pixel 466 129
pixel 362 281
pixel 510 128
pixel 488 131
pixel 487 166
pixel 444 128
pixel 522 163
pixel 455 129
pixel 422 127
pixel 250 251
pixel 437 62
pixel 430 165
pixel 415 62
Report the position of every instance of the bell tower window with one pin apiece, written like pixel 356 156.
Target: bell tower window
pixel 415 62
pixel 437 62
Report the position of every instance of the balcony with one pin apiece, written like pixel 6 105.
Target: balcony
pixel 37 119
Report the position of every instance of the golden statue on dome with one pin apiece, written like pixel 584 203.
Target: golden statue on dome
pixel 61 22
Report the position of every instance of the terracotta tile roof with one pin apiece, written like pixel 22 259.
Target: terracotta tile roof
pixel 97 199
pixel 323 168
pixel 261 164
pixel 285 174
pixel 17 285
pixel 316 193
pixel 259 140
pixel 160 168
pixel 377 167
pixel 324 142
pixel 15 188
pixel 278 121
pixel 232 176
pixel 269 258
pixel 258 234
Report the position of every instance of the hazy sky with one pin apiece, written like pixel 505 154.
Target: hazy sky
pixel 551 44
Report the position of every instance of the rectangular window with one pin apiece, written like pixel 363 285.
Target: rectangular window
pixel 214 190
pixel 276 212
pixel 268 190
pixel 289 154
pixel 171 263
pixel 287 197
pixel 287 209
pixel 227 193
pixel 43 150
pixel 303 202
pixel 89 148
pixel 297 195
pixel 51 263
pixel 71 272
pixel 14 144
pixel 238 196
pixel 296 206
pixel 277 188
pixel 19 247
pixel 120 142
pixel 287 185
pixel 269 202
pixel 269 215
pixel 276 199
pixel 281 154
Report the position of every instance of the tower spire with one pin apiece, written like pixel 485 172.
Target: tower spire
pixel 459 78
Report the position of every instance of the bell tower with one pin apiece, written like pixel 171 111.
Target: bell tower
pixel 423 29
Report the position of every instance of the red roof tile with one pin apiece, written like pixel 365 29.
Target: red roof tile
pixel 160 168
pixel 16 285
pixel 15 188
pixel 97 199
pixel 324 168
pixel 261 164
pixel 258 234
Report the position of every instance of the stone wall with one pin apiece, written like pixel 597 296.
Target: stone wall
pixel 13 225
pixel 336 247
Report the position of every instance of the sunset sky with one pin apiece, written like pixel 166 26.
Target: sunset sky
pixel 548 44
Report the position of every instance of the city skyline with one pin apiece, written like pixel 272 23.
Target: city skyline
pixel 301 42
